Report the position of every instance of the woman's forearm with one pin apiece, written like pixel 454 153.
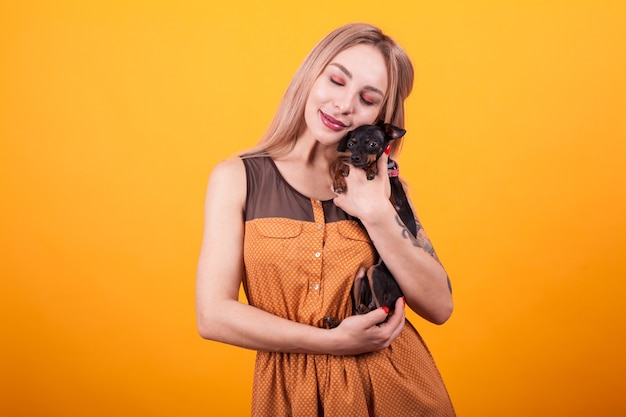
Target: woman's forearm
pixel 239 324
pixel 412 262
pixel 235 323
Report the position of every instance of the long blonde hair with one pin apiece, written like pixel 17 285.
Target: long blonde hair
pixel 288 122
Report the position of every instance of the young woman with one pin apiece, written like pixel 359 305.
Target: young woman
pixel 273 223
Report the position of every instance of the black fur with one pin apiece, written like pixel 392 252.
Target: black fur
pixel 375 287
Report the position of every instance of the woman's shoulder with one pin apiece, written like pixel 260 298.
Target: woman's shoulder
pixel 228 177
pixel 228 167
pixel 239 165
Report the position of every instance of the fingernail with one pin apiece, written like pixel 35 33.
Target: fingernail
pixel 385 309
pixel 404 301
pixel 388 150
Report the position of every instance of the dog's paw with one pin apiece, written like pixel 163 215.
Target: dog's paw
pixel 362 309
pixel 371 174
pixel 339 187
pixel 331 322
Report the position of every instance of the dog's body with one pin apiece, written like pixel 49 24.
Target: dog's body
pixel 375 287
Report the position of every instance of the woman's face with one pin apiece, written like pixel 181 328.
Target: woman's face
pixel 347 94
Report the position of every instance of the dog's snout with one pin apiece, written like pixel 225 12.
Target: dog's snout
pixel 356 158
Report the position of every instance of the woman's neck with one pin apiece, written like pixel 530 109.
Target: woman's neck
pixel 307 168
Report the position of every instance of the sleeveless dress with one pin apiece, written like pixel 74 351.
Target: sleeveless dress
pixel 301 256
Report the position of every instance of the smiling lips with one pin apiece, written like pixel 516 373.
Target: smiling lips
pixel 331 122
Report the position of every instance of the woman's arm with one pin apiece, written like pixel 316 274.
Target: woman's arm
pixel 221 317
pixel 412 261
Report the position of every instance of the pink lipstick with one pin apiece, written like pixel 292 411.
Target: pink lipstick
pixel 331 123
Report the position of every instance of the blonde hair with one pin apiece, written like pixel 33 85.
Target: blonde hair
pixel 288 122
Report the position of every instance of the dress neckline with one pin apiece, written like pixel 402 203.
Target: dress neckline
pixel 291 187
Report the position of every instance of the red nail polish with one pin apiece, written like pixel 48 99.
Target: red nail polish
pixel 388 150
pixel 404 301
pixel 385 309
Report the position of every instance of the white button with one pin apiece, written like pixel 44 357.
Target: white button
pixel 319 226
pixel 316 287
pixel 317 254
pixel 318 202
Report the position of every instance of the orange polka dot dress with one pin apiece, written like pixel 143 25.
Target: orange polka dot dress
pixel 301 256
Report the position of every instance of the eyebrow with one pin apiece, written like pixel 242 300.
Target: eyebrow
pixel 349 75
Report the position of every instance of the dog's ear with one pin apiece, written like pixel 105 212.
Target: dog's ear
pixel 392 132
pixel 343 144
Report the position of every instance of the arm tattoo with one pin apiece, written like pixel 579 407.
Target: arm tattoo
pixel 405 232
pixel 419 241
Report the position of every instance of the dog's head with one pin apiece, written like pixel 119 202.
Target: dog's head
pixel 366 143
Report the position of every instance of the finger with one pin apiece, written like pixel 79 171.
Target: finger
pixel 383 168
pixel 377 316
pixel 382 162
pixel 398 315
pixel 400 304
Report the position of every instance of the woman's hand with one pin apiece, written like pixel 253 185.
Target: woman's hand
pixel 362 197
pixel 362 333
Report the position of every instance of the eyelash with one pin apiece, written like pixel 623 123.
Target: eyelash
pixel 365 102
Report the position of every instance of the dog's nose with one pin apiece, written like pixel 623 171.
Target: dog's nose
pixel 356 158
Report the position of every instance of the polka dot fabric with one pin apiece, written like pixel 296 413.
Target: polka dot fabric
pixel 303 270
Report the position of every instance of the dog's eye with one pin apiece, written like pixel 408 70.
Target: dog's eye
pixel 350 144
pixel 373 145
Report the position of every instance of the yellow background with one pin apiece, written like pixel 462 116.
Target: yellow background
pixel 113 113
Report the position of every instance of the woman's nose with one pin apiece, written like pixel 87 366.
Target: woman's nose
pixel 343 104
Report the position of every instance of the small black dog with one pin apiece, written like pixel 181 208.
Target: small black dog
pixel 375 287
pixel 361 148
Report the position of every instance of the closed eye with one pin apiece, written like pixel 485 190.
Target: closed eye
pixel 336 81
pixel 366 102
